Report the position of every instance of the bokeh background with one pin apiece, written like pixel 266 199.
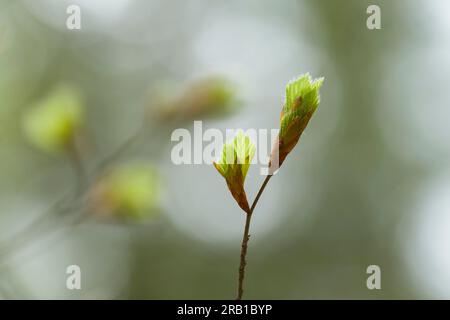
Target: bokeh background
pixel 368 184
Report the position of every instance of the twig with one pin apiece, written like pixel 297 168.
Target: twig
pixel 35 228
pixel 31 232
pixel 78 166
pixel 122 148
pixel 246 237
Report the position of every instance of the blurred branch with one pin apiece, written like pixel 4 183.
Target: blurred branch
pixel 64 206
pixel 122 148
pixel 78 165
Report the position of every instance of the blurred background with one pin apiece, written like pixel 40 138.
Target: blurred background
pixel 86 177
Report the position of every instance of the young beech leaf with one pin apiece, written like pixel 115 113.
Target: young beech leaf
pixel 210 97
pixel 302 99
pixel 51 124
pixel 234 164
pixel 130 191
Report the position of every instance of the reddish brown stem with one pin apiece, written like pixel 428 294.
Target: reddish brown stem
pixel 246 238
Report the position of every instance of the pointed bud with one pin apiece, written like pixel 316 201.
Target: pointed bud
pixel 234 164
pixel 302 100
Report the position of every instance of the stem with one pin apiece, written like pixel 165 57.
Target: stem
pixel 123 147
pixel 78 165
pixel 246 237
pixel 42 225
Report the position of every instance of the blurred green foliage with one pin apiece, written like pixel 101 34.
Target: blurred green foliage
pixel 130 191
pixel 213 96
pixel 51 123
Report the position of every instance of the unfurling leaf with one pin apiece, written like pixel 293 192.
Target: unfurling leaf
pixel 302 100
pixel 128 191
pixel 51 124
pixel 234 164
pixel 209 97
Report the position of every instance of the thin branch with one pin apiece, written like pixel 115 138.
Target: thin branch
pixel 246 238
pixel 78 165
pixel 33 231
pixel 68 221
pixel 123 147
